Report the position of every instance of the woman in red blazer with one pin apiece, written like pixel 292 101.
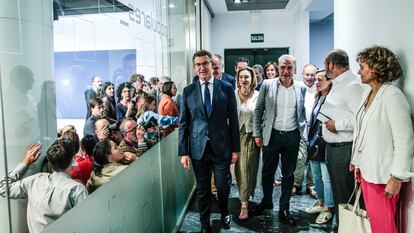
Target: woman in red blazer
pixel 167 106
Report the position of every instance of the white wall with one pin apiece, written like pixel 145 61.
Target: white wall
pixel 281 28
pixel 359 24
pixel 321 42
pixel 206 27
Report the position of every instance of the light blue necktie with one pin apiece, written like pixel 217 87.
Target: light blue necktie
pixel 207 100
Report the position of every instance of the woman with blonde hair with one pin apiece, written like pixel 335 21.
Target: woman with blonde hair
pixel 247 165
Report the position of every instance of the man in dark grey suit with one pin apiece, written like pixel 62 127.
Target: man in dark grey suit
pixel 93 93
pixel 278 123
pixel 209 136
pixel 218 71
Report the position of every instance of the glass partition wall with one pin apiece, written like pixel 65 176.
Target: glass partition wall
pixel 49 54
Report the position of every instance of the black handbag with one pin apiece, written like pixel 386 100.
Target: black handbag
pixel 317 151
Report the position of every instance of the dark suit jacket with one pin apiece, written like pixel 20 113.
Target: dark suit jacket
pixel 221 128
pixel 224 77
pixel 230 79
pixel 89 94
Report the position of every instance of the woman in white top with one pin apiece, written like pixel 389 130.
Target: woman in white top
pixel 383 138
pixel 247 164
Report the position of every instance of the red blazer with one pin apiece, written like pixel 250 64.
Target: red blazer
pixel 82 172
pixel 167 107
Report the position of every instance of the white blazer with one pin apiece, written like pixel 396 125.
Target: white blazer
pixel 384 139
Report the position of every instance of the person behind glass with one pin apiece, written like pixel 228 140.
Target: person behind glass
pixel 248 162
pixel 108 98
pixel 316 153
pixel 137 82
pixel 209 136
pixel 96 106
pixel 258 70
pixel 278 125
pixel 92 93
pixel 133 145
pixel 106 157
pixel 125 107
pixel 383 145
pixel 84 161
pixel 148 104
pixel 49 196
pixel 271 70
pixel 167 106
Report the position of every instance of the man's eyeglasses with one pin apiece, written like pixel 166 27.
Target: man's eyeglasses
pixel 132 129
pixel 204 64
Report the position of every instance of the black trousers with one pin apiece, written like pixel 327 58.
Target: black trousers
pixel 342 180
pixel 202 169
pixel 287 145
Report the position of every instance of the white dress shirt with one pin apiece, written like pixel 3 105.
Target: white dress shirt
pixel 286 109
pixel 345 94
pixel 309 101
pixel 210 88
pixel 246 110
pixel 49 195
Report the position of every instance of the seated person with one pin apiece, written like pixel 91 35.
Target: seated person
pixel 106 156
pixel 96 106
pixel 82 171
pixel 49 195
pixel 133 145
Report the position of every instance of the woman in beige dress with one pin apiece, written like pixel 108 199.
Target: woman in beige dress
pixel 247 164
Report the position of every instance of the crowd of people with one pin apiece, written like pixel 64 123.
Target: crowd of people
pixel 117 131
pixel 327 125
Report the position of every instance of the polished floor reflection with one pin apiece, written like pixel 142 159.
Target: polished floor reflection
pixel 265 223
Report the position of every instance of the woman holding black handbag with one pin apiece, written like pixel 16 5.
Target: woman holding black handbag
pixel 316 153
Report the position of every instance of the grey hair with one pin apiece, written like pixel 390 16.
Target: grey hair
pixel 259 68
pixel 287 56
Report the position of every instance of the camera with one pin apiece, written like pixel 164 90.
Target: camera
pixel 149 123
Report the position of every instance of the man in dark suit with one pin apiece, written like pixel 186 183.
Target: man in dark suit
pixel 92 93
pixel 218 71
pixel 209 136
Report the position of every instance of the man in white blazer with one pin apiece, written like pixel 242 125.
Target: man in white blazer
pixel 278 123
pixel 343 99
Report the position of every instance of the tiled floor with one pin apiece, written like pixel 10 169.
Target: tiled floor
pixel 264 223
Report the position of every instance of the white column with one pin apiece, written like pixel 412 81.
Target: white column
pixel 28 91
pixel 359 24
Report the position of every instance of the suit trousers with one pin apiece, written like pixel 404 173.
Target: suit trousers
pixel 203 170
pixel 342 180
pixel 302 166
pixel 287 145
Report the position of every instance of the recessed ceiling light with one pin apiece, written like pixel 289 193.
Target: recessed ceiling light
pixel 237 1
pixel 244 1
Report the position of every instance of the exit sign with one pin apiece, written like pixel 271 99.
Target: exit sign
pixel 257 38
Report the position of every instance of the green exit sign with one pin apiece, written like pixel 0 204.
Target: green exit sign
pixel 257 38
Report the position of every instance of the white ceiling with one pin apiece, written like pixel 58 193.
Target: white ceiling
pixel 319 9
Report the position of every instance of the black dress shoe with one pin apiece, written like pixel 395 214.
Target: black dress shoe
pixel 260 208
pixel 205 229
pixel 225 220
pixel 287 218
